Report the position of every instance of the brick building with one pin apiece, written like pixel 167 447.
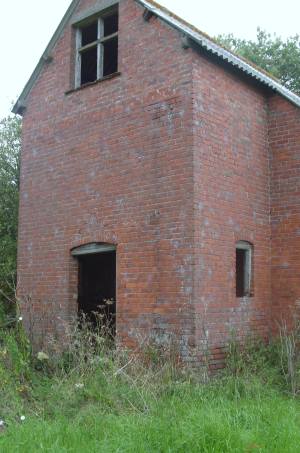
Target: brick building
pixel 160 172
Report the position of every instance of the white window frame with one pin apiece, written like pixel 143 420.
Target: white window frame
pixel 99 42
pixel 248 248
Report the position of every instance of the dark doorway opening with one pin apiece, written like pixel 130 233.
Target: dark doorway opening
pixel 97 288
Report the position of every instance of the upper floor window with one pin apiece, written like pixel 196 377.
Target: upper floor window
pixel 97 48
pixel 244 269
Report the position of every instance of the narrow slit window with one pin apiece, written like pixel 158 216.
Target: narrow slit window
pixel 97 49
pixel 244 269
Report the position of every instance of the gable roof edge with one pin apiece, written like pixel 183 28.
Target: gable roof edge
pixel 219 51
pixel 174 22
pixel 20 105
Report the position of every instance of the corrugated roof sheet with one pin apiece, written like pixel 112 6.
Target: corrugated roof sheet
pixel 214 48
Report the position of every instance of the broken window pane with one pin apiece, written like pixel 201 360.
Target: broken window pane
pixel 89 66
pixel 111 24
pixel 89 34
pixel 110 62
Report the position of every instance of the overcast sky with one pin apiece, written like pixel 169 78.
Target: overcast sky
pixel 27 26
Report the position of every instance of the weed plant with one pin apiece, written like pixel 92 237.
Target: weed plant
pixel 96 397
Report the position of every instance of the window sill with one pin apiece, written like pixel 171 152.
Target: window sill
pixel 87 85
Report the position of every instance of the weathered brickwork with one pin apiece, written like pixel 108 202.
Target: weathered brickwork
pixel 284 133
pixel 231 203
pixel 169 161
pixel 111 163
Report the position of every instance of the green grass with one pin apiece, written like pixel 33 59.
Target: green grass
pixel 143 408
pixel 186 418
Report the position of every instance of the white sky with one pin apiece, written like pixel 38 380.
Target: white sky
pixel 27 26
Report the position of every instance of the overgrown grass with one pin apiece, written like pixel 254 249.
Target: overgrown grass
pixel 95 399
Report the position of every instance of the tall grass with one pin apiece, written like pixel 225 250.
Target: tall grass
pixel 98 398
pixel 290 355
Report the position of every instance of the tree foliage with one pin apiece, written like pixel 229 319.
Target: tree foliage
pixel 10 142
pixel 279 57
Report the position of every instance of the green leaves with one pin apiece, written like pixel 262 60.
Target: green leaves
pixel 281 58
pixel 10 143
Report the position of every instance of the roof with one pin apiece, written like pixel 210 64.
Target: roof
pixel 188 31
pixel 20 105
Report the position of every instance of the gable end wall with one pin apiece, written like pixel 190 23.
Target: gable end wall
pixel 111 163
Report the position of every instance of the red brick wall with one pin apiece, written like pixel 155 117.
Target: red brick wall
pixel 285 212
pixel 111 163
pixel 231 175
pixel 169 161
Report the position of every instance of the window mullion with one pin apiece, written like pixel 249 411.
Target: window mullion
pixel 88 46
pixel 78 58
pixel 108 38
pixel 100 49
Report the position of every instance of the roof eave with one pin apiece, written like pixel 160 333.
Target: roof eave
pixel 20 105
pixel 222 53
pixel 168 18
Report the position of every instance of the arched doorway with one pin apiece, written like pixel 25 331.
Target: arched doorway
pixel 97 283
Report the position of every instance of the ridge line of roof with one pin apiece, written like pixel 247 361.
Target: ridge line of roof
pixel 221 52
